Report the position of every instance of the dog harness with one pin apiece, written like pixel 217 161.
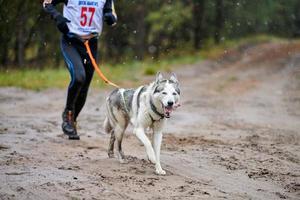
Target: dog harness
pixel 153 108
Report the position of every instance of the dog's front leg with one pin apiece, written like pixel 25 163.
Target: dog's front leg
pixel 140 133
pixel 157 138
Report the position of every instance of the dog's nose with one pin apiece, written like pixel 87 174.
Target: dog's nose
pixel 170 103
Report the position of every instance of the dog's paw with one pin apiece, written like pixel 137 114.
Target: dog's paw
pixel 160 172
pixel 121 155
pixel 123 161
pixel 110 154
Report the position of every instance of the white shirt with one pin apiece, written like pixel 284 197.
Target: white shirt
pixel 86 16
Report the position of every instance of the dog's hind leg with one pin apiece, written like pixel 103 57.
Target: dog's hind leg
pixel 110 151
pixel 119 132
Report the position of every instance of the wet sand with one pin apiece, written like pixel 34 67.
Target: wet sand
pixel 236 136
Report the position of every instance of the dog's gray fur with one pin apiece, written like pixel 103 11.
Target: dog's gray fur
pixel 145 107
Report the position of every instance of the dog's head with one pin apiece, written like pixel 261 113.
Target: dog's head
pixel 167 93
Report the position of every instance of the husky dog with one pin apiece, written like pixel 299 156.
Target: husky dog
pixel 145 107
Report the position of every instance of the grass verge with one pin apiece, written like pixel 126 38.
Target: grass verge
pixel 130 72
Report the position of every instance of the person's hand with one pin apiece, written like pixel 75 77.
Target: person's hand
pixel 46 2
pixel 110 19
pixel 61 23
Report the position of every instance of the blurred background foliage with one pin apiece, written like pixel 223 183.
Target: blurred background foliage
pixel 147 29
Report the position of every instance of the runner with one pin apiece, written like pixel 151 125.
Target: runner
pixel 82 20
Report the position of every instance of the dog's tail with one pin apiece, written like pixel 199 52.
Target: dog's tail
pixel 107 126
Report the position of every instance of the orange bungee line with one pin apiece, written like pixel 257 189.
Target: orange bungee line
pixel 99 72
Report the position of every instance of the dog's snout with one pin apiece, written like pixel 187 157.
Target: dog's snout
pixel 170 103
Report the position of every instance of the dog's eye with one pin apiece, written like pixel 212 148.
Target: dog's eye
pixel 174 93
pixel 164 93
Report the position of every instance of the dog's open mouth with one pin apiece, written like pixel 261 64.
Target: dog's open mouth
pixel 168 110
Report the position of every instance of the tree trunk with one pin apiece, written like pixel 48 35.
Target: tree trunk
pixel 140 32
pixel 198 18
pixel 33 29
pixel 20 47
pixel 20 37
pixel 297 20
pixel 219 20
pixel 4 53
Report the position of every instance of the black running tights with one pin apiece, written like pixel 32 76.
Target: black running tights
pixel 81 71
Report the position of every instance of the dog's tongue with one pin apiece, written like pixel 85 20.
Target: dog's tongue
pixel 168 111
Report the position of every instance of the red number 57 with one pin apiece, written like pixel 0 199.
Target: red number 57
pixel 84 17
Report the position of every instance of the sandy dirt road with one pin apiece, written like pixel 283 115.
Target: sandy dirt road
pixel 236 136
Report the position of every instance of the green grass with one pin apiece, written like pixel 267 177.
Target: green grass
pixel 130 72
pixel 34 79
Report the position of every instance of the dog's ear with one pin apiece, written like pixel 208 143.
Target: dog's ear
pixel 159 77
pixel 173 78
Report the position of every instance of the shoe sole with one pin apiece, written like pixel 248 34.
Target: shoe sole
pixel 72 136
